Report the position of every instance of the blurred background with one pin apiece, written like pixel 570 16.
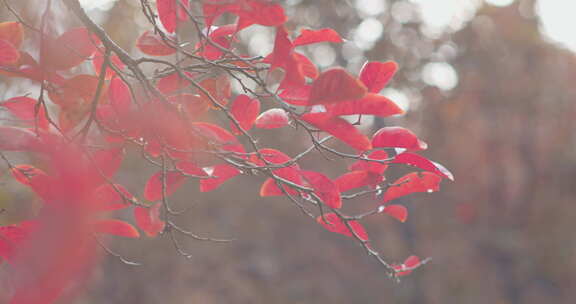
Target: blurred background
pixel 490 85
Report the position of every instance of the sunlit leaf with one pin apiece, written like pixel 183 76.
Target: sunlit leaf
pixel 271 119
pixel 376 75
pixel 324 188
pixel 397 137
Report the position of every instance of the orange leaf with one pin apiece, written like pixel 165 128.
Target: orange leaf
pixel 116 227
pixel 335 85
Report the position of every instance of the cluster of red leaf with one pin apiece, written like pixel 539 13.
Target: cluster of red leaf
pixel 171 120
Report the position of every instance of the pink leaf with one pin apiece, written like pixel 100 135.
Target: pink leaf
pixel 372 166
pixel 358 179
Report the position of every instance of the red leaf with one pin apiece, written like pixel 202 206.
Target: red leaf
pixel 219 136
pixel 120 97
pixel 358 179
pixel 333 223
pixel 271 119
pixel 12 32
pixel 273 156
pixel 153 189
pixel 371 104
pixel 12 236
pixel 408 266
pixel 324 188
pixel 195 105
pixel 218 87
pixel 109 197
pixel 376 75
pixel 70 49
pixel 397 137
pixel 297 96
pixel 220 36
pixel 398 212
pixel 25 109
pixel 173 82
pixel 114 60
pixel 283 49
pixel 270 188
pixel 340 128
pixel 335 85
pixel 109 161
pixel 17 139
pixel 315 36
pixel 308 68
pixel 220 174
pixel 260 12
pixel 245 110
pixel 116 227
pixel 371 166
pixel 169 11
pixel 152 44
pixel 9 54
pixel 422 163
pixel 412 183
pixel 148 219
